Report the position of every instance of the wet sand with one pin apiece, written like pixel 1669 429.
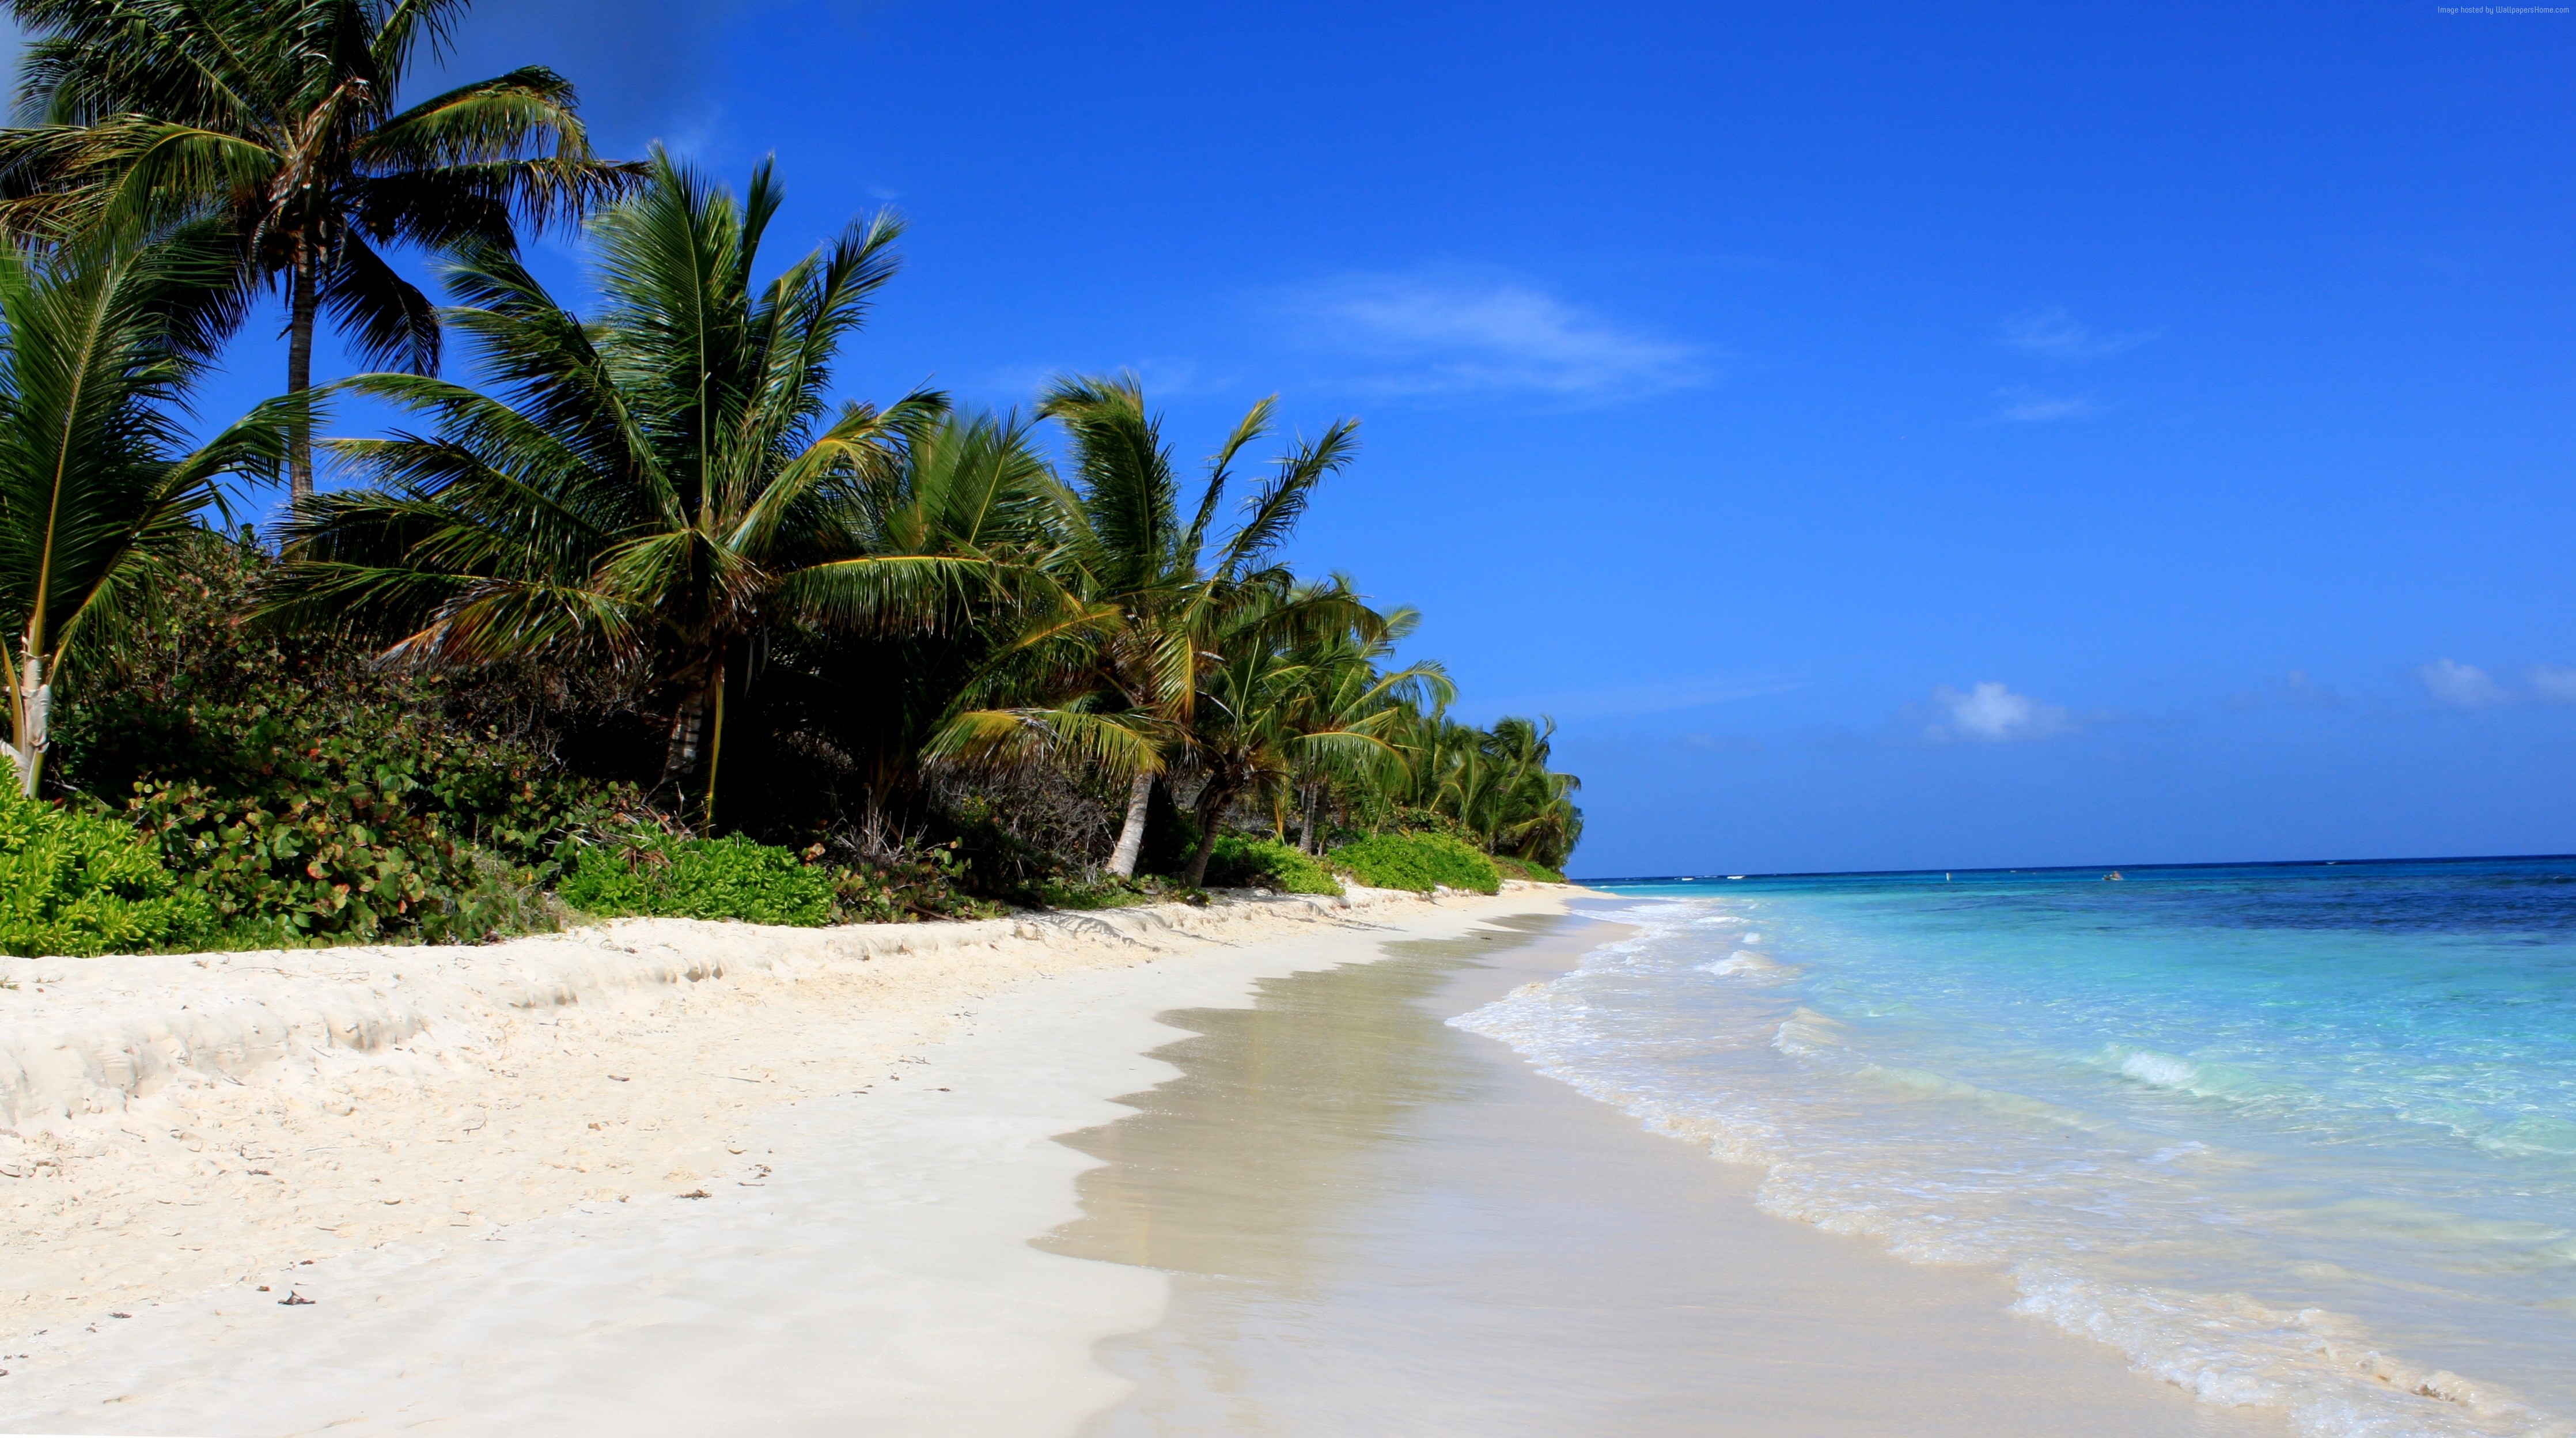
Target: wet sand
pixel 1376 1224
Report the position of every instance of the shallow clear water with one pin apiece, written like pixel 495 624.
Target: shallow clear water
pixel 2298 1136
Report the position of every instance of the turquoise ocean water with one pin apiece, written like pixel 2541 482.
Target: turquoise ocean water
pixel 2293 1135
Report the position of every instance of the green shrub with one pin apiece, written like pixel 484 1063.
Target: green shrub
pixel 77 884
pixel 1242 862
pixel 383 825
pixel 1513 867
pixel 651 873
pixel 1418 862
pixel 307 793
pixel 917 885
pixel 1108 891
pixel 1105 892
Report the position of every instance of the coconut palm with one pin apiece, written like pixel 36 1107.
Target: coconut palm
pixel 1283 698
pixel 97 486
pixel 1351 687
pixel 281 119
pixel 1003 686
pixel 1169 584
pixel 663 492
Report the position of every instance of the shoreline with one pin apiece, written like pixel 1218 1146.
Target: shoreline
pixel 1377 1222
pixel 614 1072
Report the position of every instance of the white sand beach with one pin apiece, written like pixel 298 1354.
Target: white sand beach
pixel 473 1162
pixel 667 1177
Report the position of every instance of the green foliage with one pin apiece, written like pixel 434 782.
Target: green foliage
pixel 913 887
pixel 650 872
pixel 352 832
pixel 1529 869
pixel 76 883
pixel 1418 862
pixel 308 797
pixel 1241 862
pixel 1106 892
pixel 96 353
pixel 280 126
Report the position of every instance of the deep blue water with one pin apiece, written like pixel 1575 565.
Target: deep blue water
pixel 2293 1135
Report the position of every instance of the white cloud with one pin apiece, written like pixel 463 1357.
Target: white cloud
pixel 1457 337
pixel 2461 686
pixel 2059 335
pixel 1991 712
pixel 2024 405
pixel 2551 683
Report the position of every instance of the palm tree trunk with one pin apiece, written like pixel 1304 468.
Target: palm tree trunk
pixel 33 701
pixel 1314 796
pixel 1131 835
pixel 304 300
pixel 715 751
pixel 1212 805
pixel 680 756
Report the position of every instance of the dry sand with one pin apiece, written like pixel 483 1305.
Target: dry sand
pixel 483 1168
pixel 476 1162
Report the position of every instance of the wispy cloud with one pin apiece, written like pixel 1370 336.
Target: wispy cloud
pixel 2454 685
pixel 1448 336
pixel 2024 405
pixel 2450 684
pixel 2551 683
pixel 1991 712
pixel 2059 335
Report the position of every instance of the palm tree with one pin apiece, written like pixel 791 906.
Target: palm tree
pixel 1004 685
pixel 1351 688
pixel 1128 550
pixel 1531 812
pixel 1283 697
pixel 662 492
pixel 97 488
pixel 279 118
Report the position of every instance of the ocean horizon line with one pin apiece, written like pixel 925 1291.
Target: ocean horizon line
pixel 2066 868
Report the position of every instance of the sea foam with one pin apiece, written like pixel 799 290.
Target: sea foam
pixel 2227 1193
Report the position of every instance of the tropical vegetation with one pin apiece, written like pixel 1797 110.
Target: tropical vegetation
pixel 635 612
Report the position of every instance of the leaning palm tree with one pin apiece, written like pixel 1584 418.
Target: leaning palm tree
pixel 661 492
pixel 97 487
pixel 1169 584
pixel 280 119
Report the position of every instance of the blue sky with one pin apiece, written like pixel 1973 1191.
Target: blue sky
pixel 1881 436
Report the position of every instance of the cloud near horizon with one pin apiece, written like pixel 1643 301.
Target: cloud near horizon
pixel 2449 684
pixel 1991 712
pixel 1456 337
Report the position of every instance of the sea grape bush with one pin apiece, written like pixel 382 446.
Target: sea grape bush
pixel 1419 862
pixel 356 821
pixel 922 884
